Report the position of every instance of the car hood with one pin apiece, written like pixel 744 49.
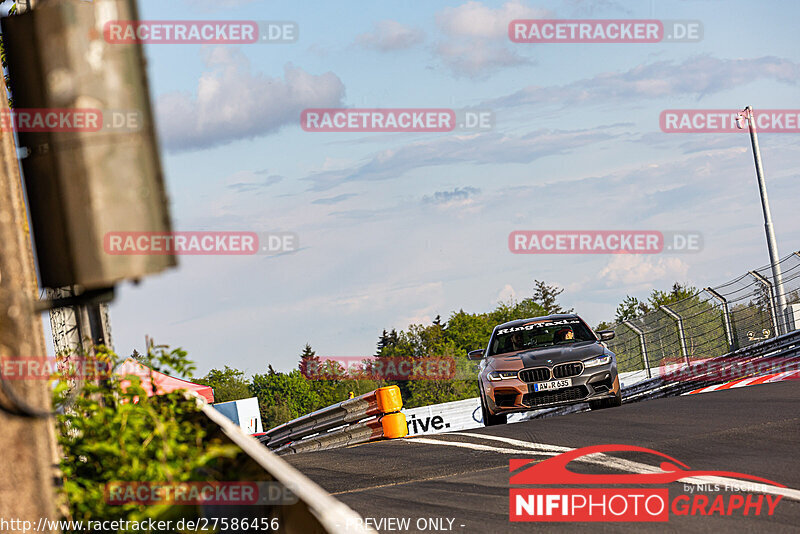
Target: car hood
pixel 548 356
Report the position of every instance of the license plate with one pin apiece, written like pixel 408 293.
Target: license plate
pixel 554 384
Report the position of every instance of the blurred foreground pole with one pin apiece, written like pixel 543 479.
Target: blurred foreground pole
pixel 86 184
pixel 27 470
pixel 81 186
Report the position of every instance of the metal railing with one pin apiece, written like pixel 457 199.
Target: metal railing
pixel 770 357
pixel 315 510
pixel 708 324
pixel 372 416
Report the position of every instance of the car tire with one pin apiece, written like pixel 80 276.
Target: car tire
pixel 490 419
pixel 606 403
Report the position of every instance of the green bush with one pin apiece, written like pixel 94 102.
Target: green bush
pixel 110 433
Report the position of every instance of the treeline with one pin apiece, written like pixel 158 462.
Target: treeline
pixel 703 323
pixel 286 396
pixel 632 307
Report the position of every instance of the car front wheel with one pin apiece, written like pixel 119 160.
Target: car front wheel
pixel 606 403
pixel 490 419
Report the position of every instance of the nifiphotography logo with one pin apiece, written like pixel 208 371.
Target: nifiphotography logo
pixel 706 493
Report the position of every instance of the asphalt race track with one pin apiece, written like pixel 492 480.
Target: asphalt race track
pixel 752 430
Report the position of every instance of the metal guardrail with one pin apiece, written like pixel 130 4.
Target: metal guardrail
pixel 372 416
pixel 711 337
pixel 315 512
pixel 781 353
pixel 777 354
pixel 713 322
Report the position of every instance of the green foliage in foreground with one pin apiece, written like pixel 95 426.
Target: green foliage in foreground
pixel 110 433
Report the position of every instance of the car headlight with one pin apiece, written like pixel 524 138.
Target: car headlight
pixel 494 376
pixel 600 360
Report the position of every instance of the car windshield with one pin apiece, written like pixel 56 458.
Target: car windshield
pixel 539 334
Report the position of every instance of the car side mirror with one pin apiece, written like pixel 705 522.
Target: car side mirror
pixel 475 354
pixel 606 335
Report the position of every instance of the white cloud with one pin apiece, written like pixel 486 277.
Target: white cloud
pixel 632 270
pixel 475 20
pixel 594 8
pixel 218 4
pixel 388 35
pixel 247 181
pixel 485 148
pixel 477 37
pixel 233 103
pixel 506 294
pixel 695 76
pixel 334 200
pixel 477 59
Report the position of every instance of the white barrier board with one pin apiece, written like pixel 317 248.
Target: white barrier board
pixel 244 413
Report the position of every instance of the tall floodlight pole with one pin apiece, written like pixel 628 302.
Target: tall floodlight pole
pixel 777 277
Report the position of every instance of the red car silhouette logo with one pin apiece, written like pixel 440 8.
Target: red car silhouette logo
pixel 543 502
pixel 554 470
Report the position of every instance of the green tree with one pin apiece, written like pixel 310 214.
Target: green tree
pixel 229 384
pixel 383 341
pixel 547 297
pixel 469 331
pixel 677 293
pixel 283 396
pixel 286 396
pixel 630 308
pixel 603 326
pixel 309 362
pixel 427 392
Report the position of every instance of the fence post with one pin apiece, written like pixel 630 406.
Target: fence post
pixel 726 318
pixel 681 331
pixel 640 333
pixel 774 310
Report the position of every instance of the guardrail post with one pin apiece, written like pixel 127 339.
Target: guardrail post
pixel 681 331
pixel 643 345
pixel 774 310
pixel 726 318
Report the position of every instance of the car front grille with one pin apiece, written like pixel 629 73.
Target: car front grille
pixel 537 374
pixel 567 369
pixel 544 398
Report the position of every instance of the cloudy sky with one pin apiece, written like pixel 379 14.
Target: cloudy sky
pixel 396 228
